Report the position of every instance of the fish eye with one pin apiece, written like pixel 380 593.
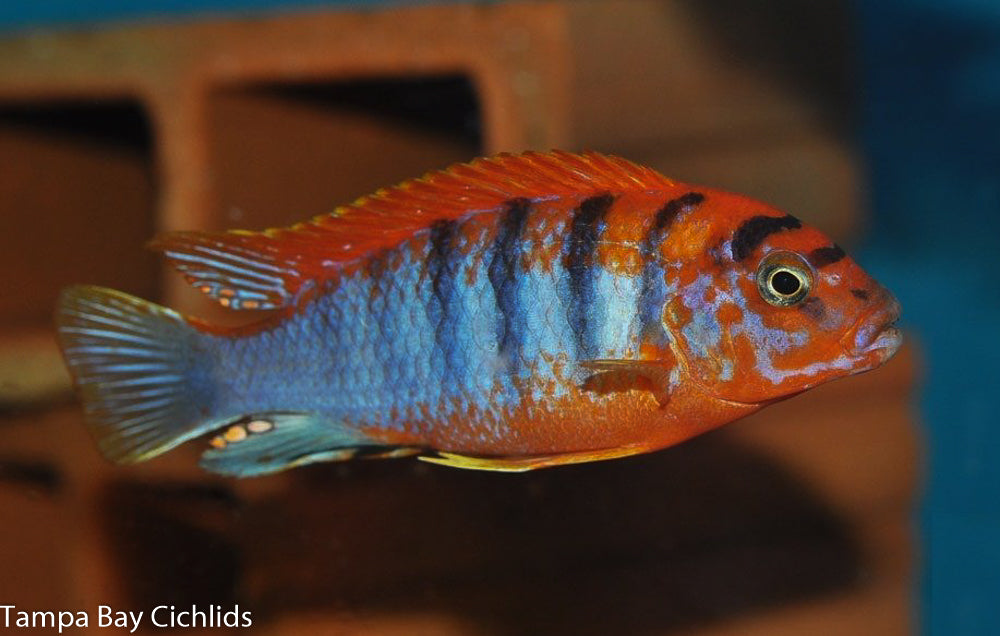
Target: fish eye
pixel 784 279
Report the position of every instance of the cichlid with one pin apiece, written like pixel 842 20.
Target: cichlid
pixel 510 313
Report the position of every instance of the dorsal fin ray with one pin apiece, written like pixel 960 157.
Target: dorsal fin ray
pixel 272 269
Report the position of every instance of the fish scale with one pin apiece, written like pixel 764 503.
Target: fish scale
pixel 515 312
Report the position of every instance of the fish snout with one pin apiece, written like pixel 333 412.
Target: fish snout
pixel 875 334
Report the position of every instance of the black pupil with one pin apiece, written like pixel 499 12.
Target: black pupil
pixel 785 283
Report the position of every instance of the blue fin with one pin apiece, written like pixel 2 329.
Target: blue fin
pixel 138 370
pixel 269 442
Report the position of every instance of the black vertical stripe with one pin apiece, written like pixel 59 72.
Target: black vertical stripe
pixel 441 272
pixel 502 272
pixel 823 256
pixel 666 215
pixel 378 303
pixel 581 247
pixel 651 294
pixel 755 230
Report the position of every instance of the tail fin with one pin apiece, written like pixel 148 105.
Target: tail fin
pixel 138 369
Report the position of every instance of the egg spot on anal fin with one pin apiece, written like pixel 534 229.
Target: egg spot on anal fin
pixel 240 431
pixel 235 434
pixel 260 426
pixel 264 443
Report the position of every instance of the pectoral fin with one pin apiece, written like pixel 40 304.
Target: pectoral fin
pixel 611 376
pixel 524 464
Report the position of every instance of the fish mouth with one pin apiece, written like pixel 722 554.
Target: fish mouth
pixel 889 338
pixel 875 335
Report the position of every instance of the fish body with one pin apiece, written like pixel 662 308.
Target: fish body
pixel 510 313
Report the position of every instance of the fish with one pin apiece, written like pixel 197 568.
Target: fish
pixel 514 312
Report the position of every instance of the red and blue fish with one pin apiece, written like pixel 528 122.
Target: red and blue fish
pixel 510 313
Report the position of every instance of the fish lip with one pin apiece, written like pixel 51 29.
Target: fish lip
pixel 876 332
pixel 890 337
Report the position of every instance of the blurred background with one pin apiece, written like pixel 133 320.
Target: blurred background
pixel 868 506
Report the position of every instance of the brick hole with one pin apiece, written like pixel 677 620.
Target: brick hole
pixel 77 200
pixel 283 152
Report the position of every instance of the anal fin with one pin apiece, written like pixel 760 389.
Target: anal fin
pixel 533 462
pixel 265 443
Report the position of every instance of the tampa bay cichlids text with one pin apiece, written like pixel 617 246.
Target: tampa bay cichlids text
pixel 159 616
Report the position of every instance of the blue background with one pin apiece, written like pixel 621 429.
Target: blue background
pixel 931 114
pixel 929 107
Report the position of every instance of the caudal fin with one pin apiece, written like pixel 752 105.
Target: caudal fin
pixel 138 369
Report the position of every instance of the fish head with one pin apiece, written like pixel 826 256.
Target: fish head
pixel 774 308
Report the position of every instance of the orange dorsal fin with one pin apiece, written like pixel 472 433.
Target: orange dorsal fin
pixel 275 267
